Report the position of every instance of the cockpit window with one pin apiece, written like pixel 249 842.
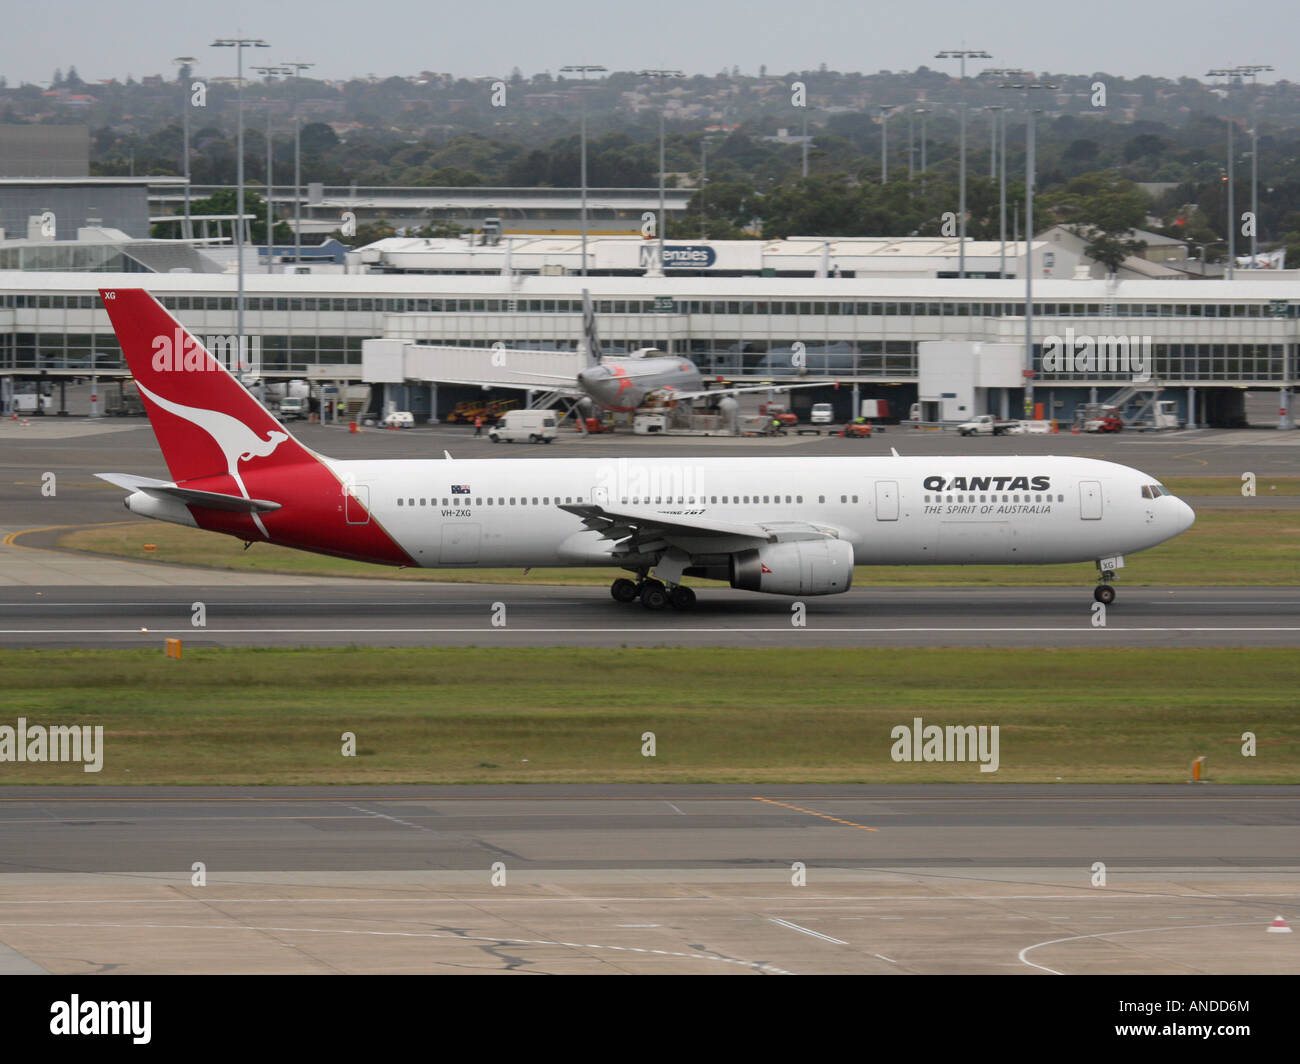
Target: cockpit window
pixel 1154 491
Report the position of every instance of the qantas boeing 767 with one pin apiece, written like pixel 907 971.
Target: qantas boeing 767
pixel 786 526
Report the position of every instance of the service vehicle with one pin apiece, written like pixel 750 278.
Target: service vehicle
pixel 535 426
pixel 986 425
pixel 293 407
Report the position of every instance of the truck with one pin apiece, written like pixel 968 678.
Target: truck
pixel 985 425
pixel 535 426
pixel 30 402
pixel 293 407
pixel 1163 416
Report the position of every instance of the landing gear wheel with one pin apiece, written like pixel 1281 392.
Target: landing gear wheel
pixel 654 596
pixel 681 598
pixel 1104 593
pixel 624 590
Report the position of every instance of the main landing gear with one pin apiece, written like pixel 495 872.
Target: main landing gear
pixel 654 594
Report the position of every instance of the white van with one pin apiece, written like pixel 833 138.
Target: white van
pixel 821 414
pixel 293 407
pixel 535 426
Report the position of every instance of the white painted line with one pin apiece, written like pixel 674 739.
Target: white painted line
pixel 673 807
pixel 385 816
pixel 198 633
pixel 1116 934
pixel 756 965
pixel 494 899
pixel 807 931
pixel 884 958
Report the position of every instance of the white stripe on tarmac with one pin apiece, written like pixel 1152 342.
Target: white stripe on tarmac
pixel 198 633
pixel 755 965
pixel 1116 934
pixel 807 931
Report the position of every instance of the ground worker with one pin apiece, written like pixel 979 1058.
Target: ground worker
pixel 478 424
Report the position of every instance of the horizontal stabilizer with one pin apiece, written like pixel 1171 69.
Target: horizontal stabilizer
pixel 211 500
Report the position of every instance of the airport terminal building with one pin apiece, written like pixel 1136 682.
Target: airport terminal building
pixel 1208 340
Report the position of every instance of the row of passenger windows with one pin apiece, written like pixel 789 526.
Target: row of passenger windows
pixel 647 500
pixel 937 309
pixel 994 498
pixel 462 500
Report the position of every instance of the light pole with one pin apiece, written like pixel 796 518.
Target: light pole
pixel 1028 88
pixel 885 108
pixel 1002 203
pixel 1254 69
pixel 704 180
pixel 803 142
pixel 993 110
pixel 1228 73
pixel 1015 74
pixel 297 68
pixel 269 72
pixel 185 62
pixel 911 146
pixel 963 54
pixel 584 70
pixel 663 221
pixel 923 111
pixel 239 44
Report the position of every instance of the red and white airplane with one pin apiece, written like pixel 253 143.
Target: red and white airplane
pixel 788 526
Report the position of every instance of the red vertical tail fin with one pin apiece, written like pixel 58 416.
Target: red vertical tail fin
pixel 206 422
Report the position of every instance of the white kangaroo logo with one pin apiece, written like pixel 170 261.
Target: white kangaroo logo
pixel 237 441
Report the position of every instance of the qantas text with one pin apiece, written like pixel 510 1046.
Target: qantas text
pixel 987 484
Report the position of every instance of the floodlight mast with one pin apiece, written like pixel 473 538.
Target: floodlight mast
pixel 962 54
pixel 584 69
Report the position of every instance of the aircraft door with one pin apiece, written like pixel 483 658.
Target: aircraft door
pixel 356 504
pixel 886 500
pixel 1090 500
pixel 460 543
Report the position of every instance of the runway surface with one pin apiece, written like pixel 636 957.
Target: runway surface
pixel 376 614
pixel 607 879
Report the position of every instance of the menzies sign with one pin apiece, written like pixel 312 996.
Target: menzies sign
pixel 679 257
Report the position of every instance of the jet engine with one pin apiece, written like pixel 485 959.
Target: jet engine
pixel 798 567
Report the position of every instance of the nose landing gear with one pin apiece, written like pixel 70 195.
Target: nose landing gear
pixel 1104 592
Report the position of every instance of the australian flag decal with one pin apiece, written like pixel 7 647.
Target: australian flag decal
pixel 460 489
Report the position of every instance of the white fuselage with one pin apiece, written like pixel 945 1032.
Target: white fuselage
pixel 894 511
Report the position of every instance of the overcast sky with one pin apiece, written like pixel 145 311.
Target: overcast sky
pixel 490 37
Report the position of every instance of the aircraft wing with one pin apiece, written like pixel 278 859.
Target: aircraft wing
pixel 639 530
pixel 737 389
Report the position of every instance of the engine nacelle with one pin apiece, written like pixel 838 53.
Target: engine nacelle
pixel 798 567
